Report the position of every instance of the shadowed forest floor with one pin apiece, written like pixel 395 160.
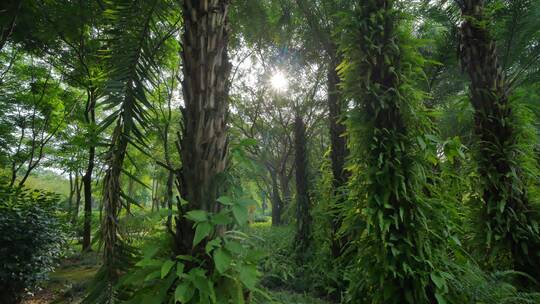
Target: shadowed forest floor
pixel 67 284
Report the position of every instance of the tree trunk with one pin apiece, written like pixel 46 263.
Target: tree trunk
pixel 90 117
pixel 169 198
pixel 71 192
pixel 303 202
pixel 506 212
pixel 77 187
pixel 393 215
pixel 204 144
pixel 338 151
pixel 112 204
pixel 276 202
pixel 131 183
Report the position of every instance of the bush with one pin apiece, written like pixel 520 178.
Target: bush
pixel 31 239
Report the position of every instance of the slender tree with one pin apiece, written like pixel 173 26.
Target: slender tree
pixel 322 23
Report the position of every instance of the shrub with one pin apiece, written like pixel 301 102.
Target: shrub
pixel 31 239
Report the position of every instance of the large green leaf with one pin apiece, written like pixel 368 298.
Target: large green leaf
pixel 184 292
pixel 240 214
pixel 222 259
pixel 203 230
pixel 166 268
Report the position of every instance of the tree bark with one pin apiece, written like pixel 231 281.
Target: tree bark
pixel 277 203
pixel 303 202
pixel 90 117
pixel 204 144
pixel 77 191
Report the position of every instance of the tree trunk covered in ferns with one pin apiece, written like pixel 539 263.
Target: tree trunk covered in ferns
pixel 394 248
pixel 303 202
pixel 338 152
pixel 204 142
pixel 506 213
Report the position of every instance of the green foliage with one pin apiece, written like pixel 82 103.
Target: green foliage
pixel 32 237
pixel 224 273
pixel 392 220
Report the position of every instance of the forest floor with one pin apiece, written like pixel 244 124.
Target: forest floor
pixel 68 283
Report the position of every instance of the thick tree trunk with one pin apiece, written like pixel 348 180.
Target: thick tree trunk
pixel 204 144
pixel 90 117
pixel 303 202
pixel 507 212
pixel 392 213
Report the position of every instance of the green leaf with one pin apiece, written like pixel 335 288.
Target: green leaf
pixel 246 202
pixel 221 218
pixel 222 259
pixel 213 244
pixel 179 269
pixel 240 214
pixel 439 281
pixel 166 268
pixel 152 275
pixel 183 292
pixel 197 216
pixel 225 200
pixel 440 298
pixel 248 276
pixel 203 230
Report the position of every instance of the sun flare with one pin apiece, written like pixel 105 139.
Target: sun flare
pixel 279 82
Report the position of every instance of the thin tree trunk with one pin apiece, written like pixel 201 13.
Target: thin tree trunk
pixel 276 202
pixel 131 183
pixel 77 188
pixel 90 117
pixel 71 192
pixel 169 199
pixel 204 144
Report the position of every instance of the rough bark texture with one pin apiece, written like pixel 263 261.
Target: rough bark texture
pixel 112 203
pixel 303 202
pixel 504 189
pixel 204 142
pixel 90 117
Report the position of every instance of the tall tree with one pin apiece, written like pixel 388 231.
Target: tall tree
pixel 322 21
pixel 134 53
pixel 394 245
pixel 303 200
pixel 508 218
pixel 204 142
